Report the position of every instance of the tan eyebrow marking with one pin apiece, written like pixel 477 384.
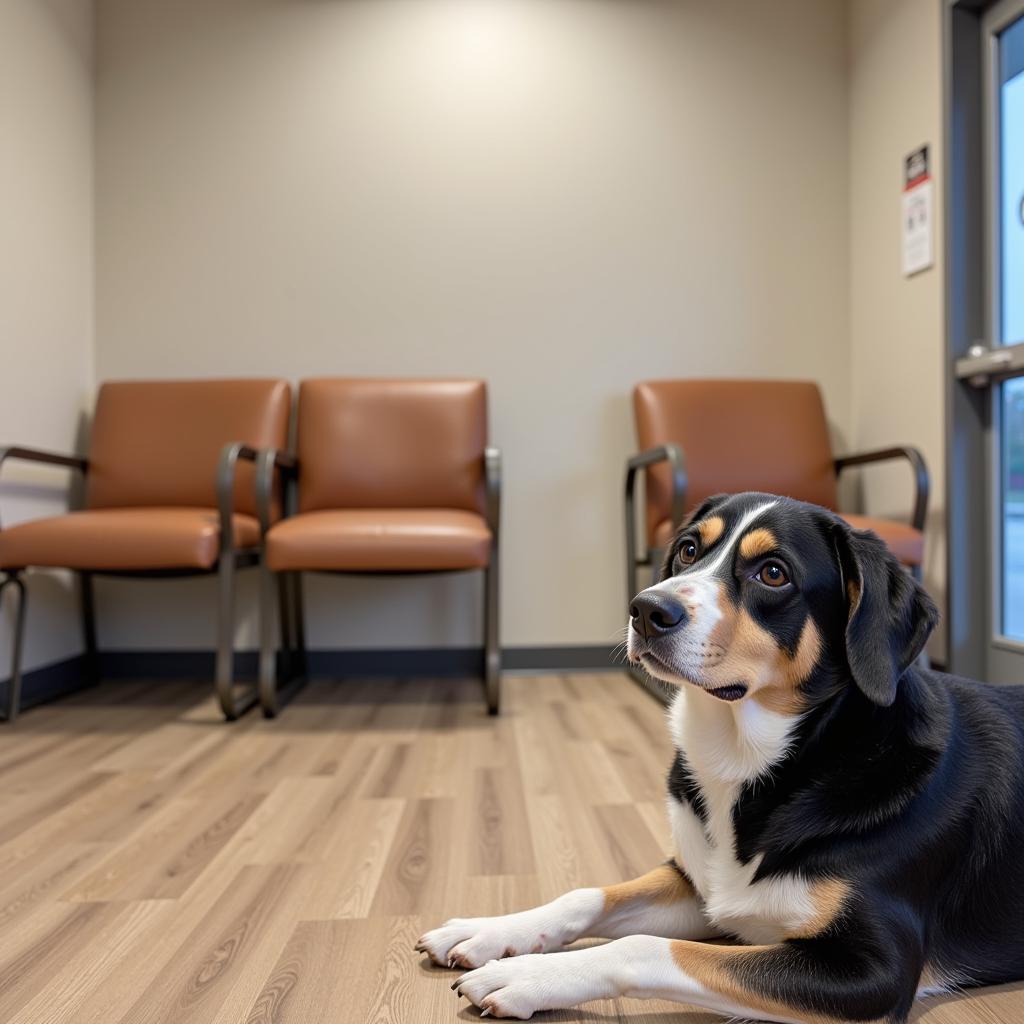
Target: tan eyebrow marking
pixel 758 542
pixel 711 529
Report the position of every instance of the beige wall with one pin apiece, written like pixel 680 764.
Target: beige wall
pixel 562 197
pixel 46 275
pixel 896 340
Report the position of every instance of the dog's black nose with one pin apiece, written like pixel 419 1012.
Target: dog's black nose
pixel 654 613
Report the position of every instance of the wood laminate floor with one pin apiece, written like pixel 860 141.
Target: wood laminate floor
pixel 160 867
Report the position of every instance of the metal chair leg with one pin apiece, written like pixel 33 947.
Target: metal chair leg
pixel 285 615
pixel 492 646
pixel 630 549
pixel 268 654
pixel 654 559
pixel 92 660
pixel 14 683
pixel 278 687
pixel 299 623
pixel 231 705
pixel 633 564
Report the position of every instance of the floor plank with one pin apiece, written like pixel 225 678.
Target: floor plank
pixel 158 866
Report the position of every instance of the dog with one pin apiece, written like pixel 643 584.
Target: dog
pixel 850 823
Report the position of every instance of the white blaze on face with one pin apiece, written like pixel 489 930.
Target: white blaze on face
pixel 691 650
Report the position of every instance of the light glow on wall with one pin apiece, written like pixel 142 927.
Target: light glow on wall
pixel 480 30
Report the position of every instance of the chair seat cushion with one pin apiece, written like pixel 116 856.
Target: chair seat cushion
pixel 380 540
pixel 123 539
pixel 906 543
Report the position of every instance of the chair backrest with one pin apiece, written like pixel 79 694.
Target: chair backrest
pixel 158 442
pixel 366 443
pixel 736 435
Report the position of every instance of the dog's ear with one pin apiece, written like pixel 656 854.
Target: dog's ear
pixel 889 615
pixel 695 515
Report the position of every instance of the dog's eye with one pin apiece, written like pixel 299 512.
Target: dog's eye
pixel 772 574
pixel 687 552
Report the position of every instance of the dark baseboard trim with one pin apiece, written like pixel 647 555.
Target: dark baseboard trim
pixel 582 658
pixel 68 676
pixel 48 682
pixel 170 664
pixel 426 661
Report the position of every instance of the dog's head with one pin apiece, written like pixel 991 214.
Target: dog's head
pixel 771 599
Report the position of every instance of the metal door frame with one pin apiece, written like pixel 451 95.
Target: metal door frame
pixel 973 414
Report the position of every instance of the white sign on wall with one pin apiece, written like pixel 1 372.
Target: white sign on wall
pixel 918 213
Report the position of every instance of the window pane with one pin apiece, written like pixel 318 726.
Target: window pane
pixel 1013 508
pixel 1011 130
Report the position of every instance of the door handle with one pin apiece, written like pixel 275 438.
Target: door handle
pixel 981 364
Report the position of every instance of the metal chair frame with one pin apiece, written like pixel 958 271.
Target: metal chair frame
pixel 279 682
pixel 229 559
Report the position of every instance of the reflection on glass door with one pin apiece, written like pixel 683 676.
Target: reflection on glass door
pixel 1009 316
pixel 1013 508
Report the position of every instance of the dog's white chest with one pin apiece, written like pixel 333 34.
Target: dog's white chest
pixel 763 911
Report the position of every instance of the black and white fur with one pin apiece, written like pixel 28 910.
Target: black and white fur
pixel 855 822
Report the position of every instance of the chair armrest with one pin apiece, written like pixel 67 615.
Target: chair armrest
pixel 673 455
pixel 492 483
pixel 45 458
pixel 270 459
pixel 922 481
pixel 52 458
pixel 226 468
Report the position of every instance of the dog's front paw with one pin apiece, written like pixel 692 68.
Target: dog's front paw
pixel 443 944
pixel 472 941
pixel 521 987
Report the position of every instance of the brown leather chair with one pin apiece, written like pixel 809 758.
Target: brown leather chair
pixel 704 437
pixel 392 476
pixel 164 496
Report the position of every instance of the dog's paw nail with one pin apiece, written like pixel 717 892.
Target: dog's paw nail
pixel 485 1012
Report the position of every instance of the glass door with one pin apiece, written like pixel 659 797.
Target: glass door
pixel 997 364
